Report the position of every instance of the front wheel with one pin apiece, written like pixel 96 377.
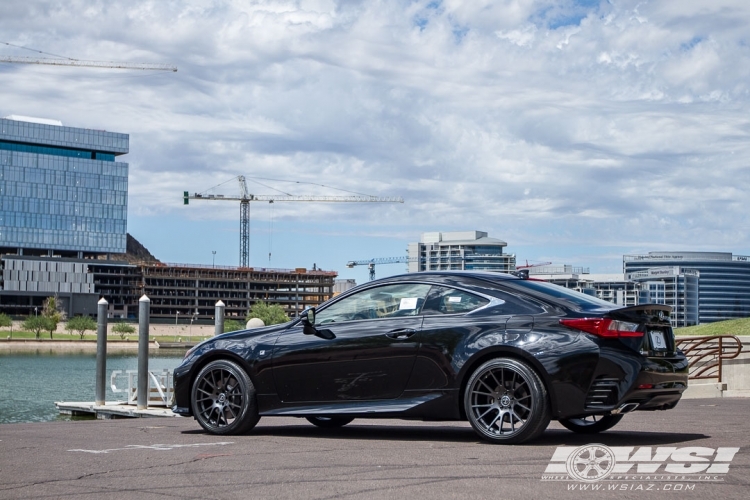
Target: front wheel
pixel 329 422
pixel 223 399
pixel 506 402
pixel 591 424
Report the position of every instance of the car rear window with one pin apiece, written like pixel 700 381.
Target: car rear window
pixel 581 300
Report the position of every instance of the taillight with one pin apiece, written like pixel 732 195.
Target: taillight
pixel 603 327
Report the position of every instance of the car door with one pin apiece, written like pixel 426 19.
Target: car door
pixel 370 357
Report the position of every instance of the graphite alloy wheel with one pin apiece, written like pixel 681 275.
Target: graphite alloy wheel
pixel 506 402
pixel 223 399
pixel 591 424
pixel 329 422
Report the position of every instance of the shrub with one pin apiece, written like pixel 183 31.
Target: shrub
pixel 272 314
pixel 36 324
pixel 123 329
pixel 232 325
pixel 80 324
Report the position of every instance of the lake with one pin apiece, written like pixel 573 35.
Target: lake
pixel 31 382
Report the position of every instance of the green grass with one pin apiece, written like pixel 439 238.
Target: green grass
pixel 62 337
pixel 728 327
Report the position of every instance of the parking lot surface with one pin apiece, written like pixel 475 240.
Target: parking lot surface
pixel 373 459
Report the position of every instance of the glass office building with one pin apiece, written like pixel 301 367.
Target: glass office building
pixel 723 280
pixel 61 190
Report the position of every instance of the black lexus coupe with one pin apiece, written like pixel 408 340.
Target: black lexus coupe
pixel 503 352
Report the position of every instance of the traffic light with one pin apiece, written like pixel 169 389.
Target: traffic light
pixel 185 198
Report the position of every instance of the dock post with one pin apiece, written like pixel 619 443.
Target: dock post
pixel 101 352
pixel 144 310
pixel 219 328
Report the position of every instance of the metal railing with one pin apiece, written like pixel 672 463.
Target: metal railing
pixel 706 354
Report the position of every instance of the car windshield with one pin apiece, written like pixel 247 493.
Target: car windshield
pixel 579 299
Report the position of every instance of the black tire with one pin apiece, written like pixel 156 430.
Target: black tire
pixel 506 402
pixel 591 424
pixel 329 422
pixel 223 399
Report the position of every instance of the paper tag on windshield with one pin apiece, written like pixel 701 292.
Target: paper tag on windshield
pixel 454 299
pixel 408 303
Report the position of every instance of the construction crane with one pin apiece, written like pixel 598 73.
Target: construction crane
pixel 383 260
pixel 59 60
pixel 246 197
pixel 534 265
pixel 87 64
pixel 392 260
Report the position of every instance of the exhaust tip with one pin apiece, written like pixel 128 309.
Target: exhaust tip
pixel 623 409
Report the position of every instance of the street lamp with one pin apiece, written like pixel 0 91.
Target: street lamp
pixel 213 258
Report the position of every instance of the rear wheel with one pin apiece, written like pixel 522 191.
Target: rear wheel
pixel 506 402
pixel 223 399
pixel 591 424
pixel 329 422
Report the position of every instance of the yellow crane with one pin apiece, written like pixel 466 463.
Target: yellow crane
pixel 246 197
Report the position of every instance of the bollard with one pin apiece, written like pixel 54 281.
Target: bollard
pixel 144 309
pixel 101 352
pixel 219 328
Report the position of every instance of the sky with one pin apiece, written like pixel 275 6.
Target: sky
pixel 575 131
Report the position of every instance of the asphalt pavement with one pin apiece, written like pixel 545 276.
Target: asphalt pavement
pixel 378 459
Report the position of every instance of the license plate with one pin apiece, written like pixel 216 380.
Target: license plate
pixel 657 340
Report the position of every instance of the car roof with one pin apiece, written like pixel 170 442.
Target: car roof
pixel 484 275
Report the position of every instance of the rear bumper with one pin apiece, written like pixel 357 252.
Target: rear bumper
pixel 651 383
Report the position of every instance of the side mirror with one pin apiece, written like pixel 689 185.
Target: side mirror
pixel 308 320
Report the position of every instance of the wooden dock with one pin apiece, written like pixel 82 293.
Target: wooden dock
pixel 118 409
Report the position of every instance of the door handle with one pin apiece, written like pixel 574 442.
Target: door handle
pixel 401 333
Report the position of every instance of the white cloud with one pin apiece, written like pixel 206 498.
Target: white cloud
pixel 606 121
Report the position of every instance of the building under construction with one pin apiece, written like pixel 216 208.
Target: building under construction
pixel 176 291
pixel 190 290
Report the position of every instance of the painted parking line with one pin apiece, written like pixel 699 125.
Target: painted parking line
pixel 158 447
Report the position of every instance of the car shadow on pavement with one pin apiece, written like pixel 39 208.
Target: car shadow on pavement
pixel 453 433
pixel 562 437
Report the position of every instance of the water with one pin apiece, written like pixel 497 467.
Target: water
pixel 31 382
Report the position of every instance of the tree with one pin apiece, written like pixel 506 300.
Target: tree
pixel 80 324
pixel 232 325
pixel 123 329
pixel 36 324
pixel 270 314
pixel 6 321
pixel 53 314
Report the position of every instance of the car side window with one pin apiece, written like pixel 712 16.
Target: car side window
pixel 445 300
pixel 387 301
pixel 515 304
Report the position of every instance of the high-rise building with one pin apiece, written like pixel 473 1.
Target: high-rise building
pixel 722 280
pixel 470 250
pixel 61 190
pixel 63 201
